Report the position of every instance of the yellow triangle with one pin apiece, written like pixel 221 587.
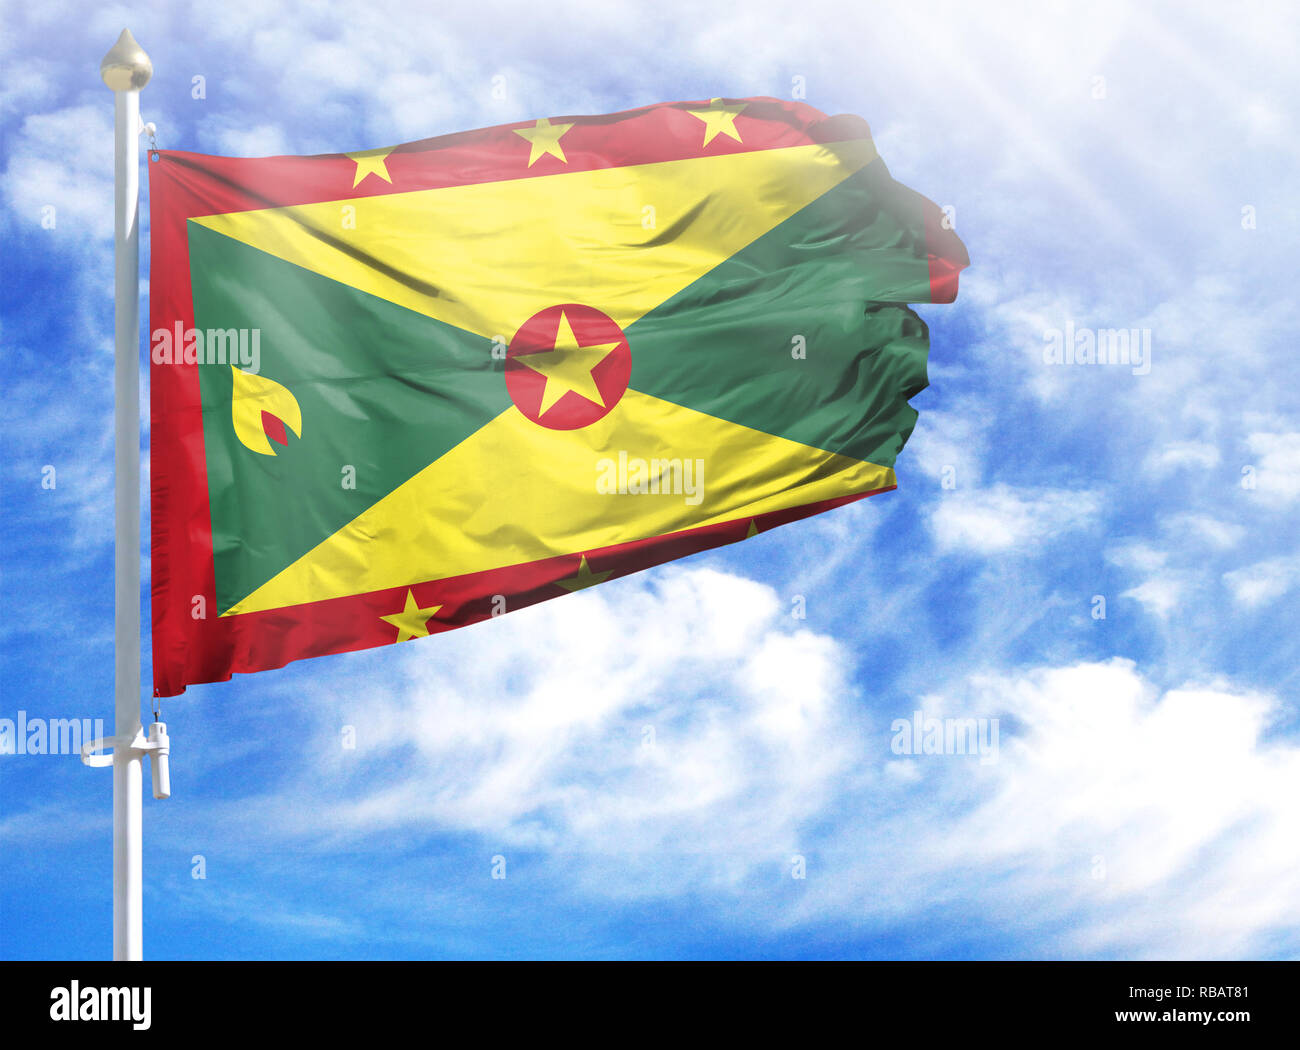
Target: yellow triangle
pixel 486 257
pixel 517 492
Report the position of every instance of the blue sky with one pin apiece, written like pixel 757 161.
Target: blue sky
pixel 1109 169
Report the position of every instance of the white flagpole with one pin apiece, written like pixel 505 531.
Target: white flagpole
pixel 126 69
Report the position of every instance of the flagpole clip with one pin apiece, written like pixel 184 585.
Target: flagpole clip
pixel 157 745
pixel 151 129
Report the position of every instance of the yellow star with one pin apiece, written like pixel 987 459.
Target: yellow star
pixel 567 366
pixel 371 162
pixel 412 621
pixel 544 138
pixel 718 119
pixel 585 578
pixel 753 529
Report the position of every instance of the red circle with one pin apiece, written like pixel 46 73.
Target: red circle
pixel 610 373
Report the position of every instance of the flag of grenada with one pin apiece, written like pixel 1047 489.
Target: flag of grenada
pixel 399 391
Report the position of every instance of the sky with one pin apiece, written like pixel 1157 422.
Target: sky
pixel 1096 562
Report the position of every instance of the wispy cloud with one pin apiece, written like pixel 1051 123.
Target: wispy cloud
pixel 1001 518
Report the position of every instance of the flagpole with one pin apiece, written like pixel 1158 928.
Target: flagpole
pixel 126 69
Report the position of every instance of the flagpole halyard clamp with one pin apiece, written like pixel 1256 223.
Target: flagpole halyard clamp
pixel 151 129
pixel 157 745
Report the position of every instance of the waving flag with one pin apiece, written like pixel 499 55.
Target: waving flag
pixel 399 391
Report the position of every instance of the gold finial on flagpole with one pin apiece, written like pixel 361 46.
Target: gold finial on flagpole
pixel 126 67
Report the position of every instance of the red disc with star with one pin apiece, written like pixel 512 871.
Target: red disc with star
pixel 568 366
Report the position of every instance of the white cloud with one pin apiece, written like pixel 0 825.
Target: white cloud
pixel 1210 531
pixel 1181 455
pixel 948 443
pixel 64 159
pixel 1117 821
pixel 670 713
pixel 1189 808
pixel 1137 555
pixel 1263 582
pixel 1277 465
pixel 1161 595
pixel 259 140
pixel 26 82
pixel 1001 518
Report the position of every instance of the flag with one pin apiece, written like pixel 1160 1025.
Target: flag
pixel 399 391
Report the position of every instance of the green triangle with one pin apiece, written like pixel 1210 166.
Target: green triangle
pixel 804 333
pixel 383 391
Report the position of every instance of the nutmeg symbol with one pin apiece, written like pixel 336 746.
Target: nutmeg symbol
pixel 261 408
